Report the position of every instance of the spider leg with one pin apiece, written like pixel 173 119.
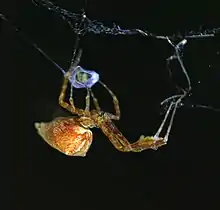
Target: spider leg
pixel 174 107
pixel 71 101
pixel 95 101
pixel 115 102
pixel 122 144
pixel 75 50
pixel 70 107
pixel 144 142
pixel 164 120
pixel 71 97
pixel 87 101
pixel 171 121
pixel 75 61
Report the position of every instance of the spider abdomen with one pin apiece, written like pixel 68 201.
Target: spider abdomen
pixel 66 135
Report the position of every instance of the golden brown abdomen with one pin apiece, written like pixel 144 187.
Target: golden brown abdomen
pixel 66 135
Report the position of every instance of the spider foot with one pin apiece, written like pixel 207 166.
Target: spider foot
pixel 151 142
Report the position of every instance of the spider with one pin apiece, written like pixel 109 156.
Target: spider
pixel 72 135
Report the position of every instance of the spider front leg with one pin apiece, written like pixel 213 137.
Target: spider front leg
pixel 67 78
pixel 73 65
pixel 87 101
pixel 148 142
pixel 75 61
pixel 115 102
pixel 157 141
pixel 156 138
pixel 123 145
pixel 95 101
pixel 70 107
pixel 117 114
pixel 174 107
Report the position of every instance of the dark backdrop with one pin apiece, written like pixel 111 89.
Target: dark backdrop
pixel 183 174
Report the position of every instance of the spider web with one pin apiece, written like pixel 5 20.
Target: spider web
pixel 81 24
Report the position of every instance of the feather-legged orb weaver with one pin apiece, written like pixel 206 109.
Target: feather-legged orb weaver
pixel 72 135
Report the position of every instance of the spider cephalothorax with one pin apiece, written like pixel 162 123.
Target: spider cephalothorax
pixel 86 122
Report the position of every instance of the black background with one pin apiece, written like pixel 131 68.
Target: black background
pixel 183 174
